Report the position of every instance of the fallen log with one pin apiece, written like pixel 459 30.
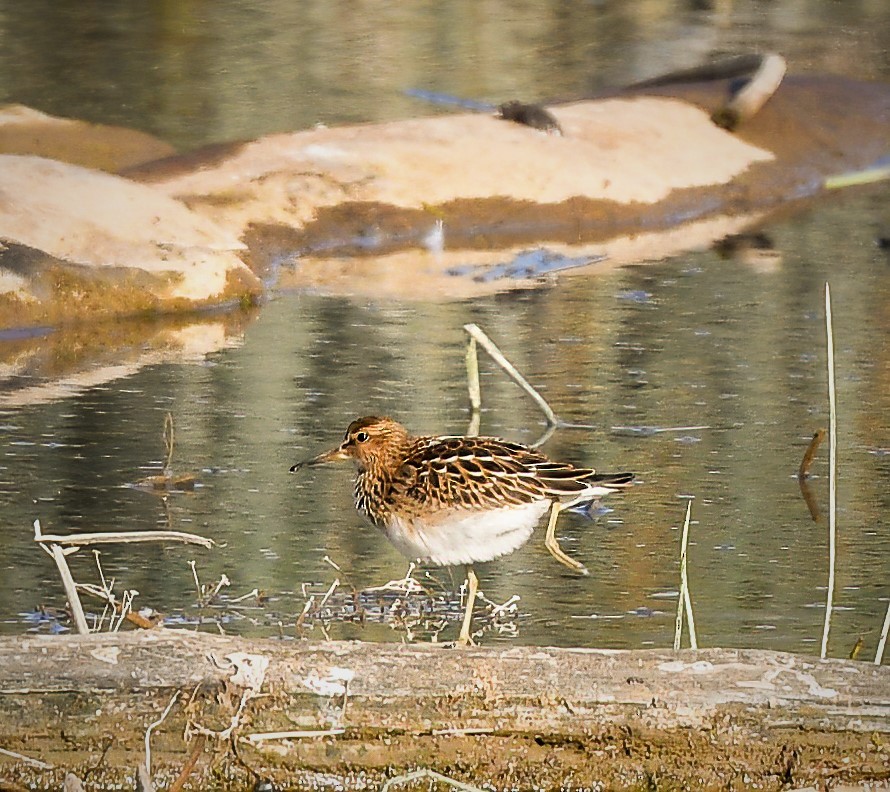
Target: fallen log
pixel 349 715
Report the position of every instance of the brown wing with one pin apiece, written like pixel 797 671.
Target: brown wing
pixel 482 472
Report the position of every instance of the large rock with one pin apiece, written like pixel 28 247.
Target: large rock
pixel 634 177
pixel 619 150
pixel 357 209
pixel 80 243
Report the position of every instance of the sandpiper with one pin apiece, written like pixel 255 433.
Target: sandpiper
pixel 449 500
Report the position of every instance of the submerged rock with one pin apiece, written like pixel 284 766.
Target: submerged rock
pixel 24 130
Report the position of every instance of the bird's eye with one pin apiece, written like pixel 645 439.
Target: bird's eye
pixel 362 437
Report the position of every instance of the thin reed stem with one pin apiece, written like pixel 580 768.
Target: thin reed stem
pixel 684 602
pixel 678 624
pixel 879 655
pixel 168 440
pixel 832 476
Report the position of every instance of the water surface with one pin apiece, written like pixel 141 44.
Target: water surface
pixel 704 373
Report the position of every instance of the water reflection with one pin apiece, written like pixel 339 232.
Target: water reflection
pixel 196 72
pixel 728 359
pixel 54 363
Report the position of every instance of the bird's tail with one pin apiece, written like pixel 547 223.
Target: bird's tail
pixel 600 484
pixel 613 480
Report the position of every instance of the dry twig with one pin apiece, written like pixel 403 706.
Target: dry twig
pixel 152 726
pixel 477 335
pixel 26 759
pixel 77 540
pixel 432 774
pixel 293 735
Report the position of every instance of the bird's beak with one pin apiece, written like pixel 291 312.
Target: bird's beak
pixel 336 455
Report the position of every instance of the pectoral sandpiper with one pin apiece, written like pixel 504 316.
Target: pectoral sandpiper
pixel 461 500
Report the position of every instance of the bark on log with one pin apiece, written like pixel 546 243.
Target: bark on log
pixel 519 717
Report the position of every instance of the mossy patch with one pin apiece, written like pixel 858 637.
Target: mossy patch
pixel 60 293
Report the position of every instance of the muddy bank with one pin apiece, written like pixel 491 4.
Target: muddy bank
pixel 501 718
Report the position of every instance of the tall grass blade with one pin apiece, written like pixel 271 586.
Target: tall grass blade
pixel 832 476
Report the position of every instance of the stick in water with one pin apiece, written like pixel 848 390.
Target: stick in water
pixel 488 345
pixel 58 554
pixel 122 537
pixel 474 388
pixel 807 462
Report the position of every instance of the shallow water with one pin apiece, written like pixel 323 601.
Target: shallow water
pixel 704 373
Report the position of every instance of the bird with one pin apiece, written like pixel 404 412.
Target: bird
pixel 448 500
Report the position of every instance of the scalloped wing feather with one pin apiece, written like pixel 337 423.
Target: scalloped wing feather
pixel 484 473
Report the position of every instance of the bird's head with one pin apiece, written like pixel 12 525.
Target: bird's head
pixel 371 442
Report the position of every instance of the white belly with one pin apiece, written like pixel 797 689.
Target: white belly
pixel 464 536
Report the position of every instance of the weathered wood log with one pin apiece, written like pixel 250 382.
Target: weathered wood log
pixel 506 718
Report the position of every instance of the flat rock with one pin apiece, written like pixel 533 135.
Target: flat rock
pixel 621 150
pixel 435 208
pixel 634 177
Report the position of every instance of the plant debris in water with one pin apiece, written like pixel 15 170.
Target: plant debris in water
pixel 524 266
pixel 416 611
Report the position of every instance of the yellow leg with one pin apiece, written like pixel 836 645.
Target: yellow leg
pixel 472 586
pixel 553 546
